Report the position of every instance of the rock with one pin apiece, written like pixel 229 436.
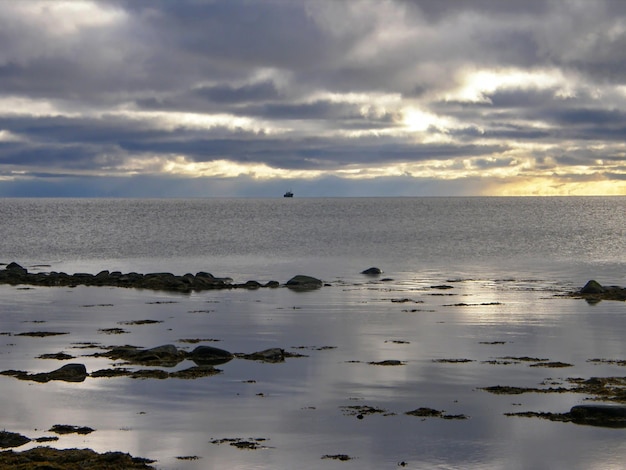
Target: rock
pixel 67 373
pixel 616 411
pixel 12 439
pixel 301 282
pixel 208 355
pixel 70 429
pixel 594 292
pixel 252 285
pixel 16 268
pixel 15 274
pixel 267 355
pixel 388 362
pixel 373 271
pixel 165 356
pixel 613 416
pixel 592 287
pixel 59 459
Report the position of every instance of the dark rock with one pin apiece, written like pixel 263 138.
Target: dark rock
pixel 103 275
pixel 267 355
pixel 69 429
pixel 388 362
pixel 195 372
pixel 190 373
pixel 208 355
pixel 167 355
pixel 67 373
pixel 342 457
pixel 425 412
pixel 61 356
pixel 57 459
pixel 252 285
pixel 600 415
pixel 301 282
pixel 204 275
pixel 16 268
pixel 373 271
pixel 12 439
pixel 594 292
pixel 41 334
pixel 599 409
pixel 15 274
pixel 592 287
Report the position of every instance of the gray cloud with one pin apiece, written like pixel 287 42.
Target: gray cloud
pixel 319 86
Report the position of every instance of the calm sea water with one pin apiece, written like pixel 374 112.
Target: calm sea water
pixel 506 261
pixel 326 237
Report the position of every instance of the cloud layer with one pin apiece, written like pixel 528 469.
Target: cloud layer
pixel 249 98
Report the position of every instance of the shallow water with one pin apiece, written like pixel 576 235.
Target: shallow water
pixel 297 406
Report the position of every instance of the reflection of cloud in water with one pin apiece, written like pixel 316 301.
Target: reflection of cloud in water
pixel 297 403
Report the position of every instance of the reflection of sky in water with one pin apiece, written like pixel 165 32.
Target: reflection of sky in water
pixel 297 404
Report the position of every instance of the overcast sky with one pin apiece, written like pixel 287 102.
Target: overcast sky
pixel 165 98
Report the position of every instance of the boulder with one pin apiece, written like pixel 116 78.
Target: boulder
pixel 373 271
pixel 612 416
pixel 12 439
pixel 592 287
pixel 16 268
pixel 252 285
pixel 301 282
pixel 67 373
pixel 208 355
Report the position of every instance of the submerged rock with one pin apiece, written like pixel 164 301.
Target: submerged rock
pixel 71 429
pixel 267 355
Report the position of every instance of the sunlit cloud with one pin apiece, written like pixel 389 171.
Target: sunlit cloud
pixel 416 120
pixel 476 85
pixel 67 17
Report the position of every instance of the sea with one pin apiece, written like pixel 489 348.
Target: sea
pixel 473 293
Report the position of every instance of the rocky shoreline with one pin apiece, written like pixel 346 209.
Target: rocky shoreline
pixel 14 274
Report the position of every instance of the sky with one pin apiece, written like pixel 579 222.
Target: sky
pixel 250 98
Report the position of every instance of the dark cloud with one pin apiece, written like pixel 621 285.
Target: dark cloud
pixel 261 91
pixel 91 88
